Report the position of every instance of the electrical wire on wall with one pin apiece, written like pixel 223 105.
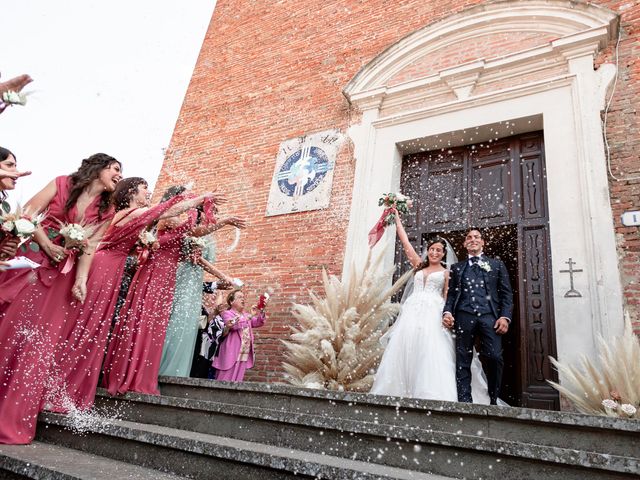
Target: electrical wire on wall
pixel 606 112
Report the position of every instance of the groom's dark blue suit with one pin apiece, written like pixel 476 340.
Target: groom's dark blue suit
pixel 478 295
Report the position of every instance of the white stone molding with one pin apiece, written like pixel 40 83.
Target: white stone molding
pixel 568 96
pixel 559 17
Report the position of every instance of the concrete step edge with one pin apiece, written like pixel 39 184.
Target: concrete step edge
pixel 263 455
pixel 554 418
pixel 488 444
pixel 53 462
pixel 543 454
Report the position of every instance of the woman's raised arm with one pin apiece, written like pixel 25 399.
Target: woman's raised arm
pixel 409 251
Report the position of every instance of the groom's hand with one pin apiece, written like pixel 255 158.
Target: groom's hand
pixel 501 326
pixel 448 320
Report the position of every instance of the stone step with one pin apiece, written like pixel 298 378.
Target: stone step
pixel 53 462
pixel 203 456
pixel 604 435
pixel 432 437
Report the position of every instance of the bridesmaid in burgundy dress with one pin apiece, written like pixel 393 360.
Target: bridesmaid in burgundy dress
pixel 84 196
pixel 135 350
pixel 29 332
pixel 80 354
pixel 9 174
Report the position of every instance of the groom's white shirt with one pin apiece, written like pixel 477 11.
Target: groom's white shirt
pixel 479 257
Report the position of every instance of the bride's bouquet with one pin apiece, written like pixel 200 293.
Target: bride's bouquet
pixel 390 201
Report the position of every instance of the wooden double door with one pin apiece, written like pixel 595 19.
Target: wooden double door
pixel 499 187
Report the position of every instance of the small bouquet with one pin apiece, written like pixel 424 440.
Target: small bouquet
pixel 75 237
pixel 11 97
pixel 75 240
pixel 147 238
pixel 390 201
pixel 147 242
pixel 19 223
pixel 192 248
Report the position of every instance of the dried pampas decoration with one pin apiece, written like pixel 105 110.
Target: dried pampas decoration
pixel 336 345
pixel 611 388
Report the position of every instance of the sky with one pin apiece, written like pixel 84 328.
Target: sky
pixel 108 77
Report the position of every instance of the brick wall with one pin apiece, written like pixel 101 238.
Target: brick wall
pixel 270 71
pixel 623 136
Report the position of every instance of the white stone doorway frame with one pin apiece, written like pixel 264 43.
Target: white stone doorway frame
pixel 565 97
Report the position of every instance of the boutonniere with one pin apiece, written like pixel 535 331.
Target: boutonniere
pixel 484 265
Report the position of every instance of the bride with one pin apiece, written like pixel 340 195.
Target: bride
pixel 419 360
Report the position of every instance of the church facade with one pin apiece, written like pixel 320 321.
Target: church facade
pixel 519 117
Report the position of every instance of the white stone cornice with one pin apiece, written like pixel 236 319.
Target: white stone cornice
pixel 575 23
pixel 370 98
pixel 485 99
pixel 462 78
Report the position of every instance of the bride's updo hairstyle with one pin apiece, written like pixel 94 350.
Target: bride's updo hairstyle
pixel 425 262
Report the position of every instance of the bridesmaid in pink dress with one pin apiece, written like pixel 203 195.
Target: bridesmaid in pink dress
pixel 29 333
pixel 80 354
pixel 135 349
pixel 236 353
pixel 83 196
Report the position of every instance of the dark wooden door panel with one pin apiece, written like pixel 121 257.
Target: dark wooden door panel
pixel 491 194
pixel 532 191
pixel 445 200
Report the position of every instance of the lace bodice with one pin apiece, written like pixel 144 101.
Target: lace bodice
pixel 434 282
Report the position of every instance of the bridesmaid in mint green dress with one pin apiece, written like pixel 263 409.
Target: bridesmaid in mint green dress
pixel 179 344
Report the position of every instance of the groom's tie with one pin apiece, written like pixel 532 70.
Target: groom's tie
pixel 474 261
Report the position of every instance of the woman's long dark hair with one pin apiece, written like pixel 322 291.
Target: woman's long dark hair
pixel 425 262
pixel 4 154
pixel 90 170
pixel 125 191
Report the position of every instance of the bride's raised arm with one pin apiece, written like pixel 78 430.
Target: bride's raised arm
pixel 409 251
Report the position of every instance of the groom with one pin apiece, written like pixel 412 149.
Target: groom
pixel 479 304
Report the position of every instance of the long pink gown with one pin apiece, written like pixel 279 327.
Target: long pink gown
pixel 80 353
pixel 230 367
pixel 12 282
pixel 135 349
pixel 31 325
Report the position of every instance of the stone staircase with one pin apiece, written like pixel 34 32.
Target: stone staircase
pixel 204 430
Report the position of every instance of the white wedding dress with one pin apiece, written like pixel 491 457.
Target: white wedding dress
pixel 420 360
